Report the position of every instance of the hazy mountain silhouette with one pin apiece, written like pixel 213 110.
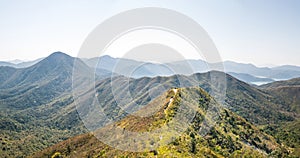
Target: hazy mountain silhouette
pixel 128 67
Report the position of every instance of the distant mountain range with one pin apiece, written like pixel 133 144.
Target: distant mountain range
pixel 38 111
pixel 19 63
pixel 251 79
pixel 246 72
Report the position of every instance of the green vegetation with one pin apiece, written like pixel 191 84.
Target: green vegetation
pixel 232 136
pixel 286 94
pixel 25 132
pixel 38 114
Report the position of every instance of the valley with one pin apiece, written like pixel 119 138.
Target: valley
pixel 40 116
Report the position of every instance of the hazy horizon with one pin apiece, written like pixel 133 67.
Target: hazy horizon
pixel 263 33
pixel 17 61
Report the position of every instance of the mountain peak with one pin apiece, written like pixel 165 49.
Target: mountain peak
pixel 57 58
pixel 58 54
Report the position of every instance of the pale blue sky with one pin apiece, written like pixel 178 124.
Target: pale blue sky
pixel 250 31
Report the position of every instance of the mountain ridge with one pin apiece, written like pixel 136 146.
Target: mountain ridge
pixel 53 73
pixel 221 141
pixel 154 69
pixel 55 111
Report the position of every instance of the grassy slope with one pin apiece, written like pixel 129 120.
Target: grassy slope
pixel 232 136
pixel 286 93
